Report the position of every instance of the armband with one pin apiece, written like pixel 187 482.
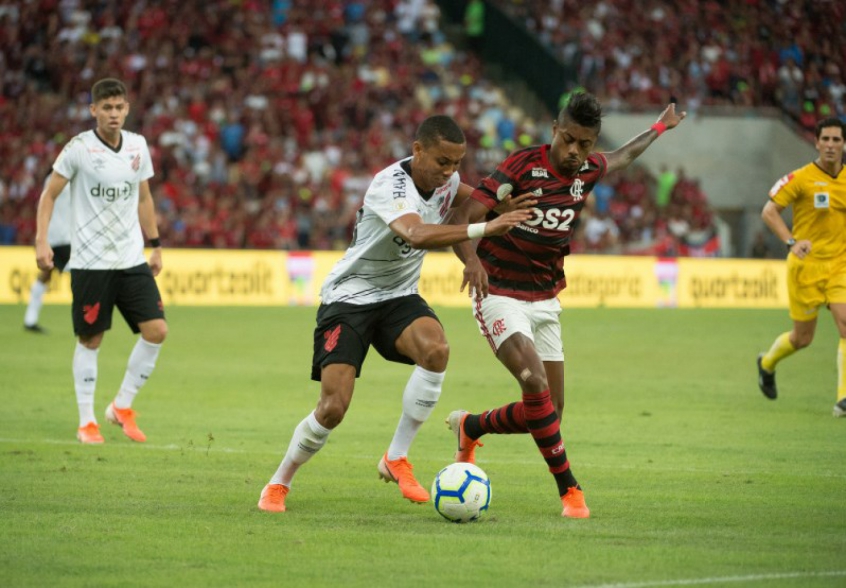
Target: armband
pixel 154 243
pixel 476 230
pixel 659 127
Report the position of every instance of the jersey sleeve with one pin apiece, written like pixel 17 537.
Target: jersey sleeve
pixel 601 163
pixel 486 191
pixel 67 162
pixel 388 198
pixel 785 191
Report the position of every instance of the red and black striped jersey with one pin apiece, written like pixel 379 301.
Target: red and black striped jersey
pixel 527 263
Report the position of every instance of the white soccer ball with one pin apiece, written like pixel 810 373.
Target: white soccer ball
pixel 461 492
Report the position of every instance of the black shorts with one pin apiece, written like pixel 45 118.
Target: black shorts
pixel 345 332
pixel 61 256
pixel 97 292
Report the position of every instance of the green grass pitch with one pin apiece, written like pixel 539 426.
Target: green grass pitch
pixel 692 476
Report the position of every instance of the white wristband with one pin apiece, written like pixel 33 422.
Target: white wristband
pixel 476 230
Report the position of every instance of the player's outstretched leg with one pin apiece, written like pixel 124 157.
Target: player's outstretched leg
pixel 766 380
pixel 402 472
pixel 466 451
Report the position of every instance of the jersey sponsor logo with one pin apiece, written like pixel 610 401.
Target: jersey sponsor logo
pixel 577 189
pixel 540 172
pixel 538 192
pixel 781 183
pixel 821 200
pixel 552 218
pixel 90 312
pixel 331 337
pixel 112 193
pixel 498 327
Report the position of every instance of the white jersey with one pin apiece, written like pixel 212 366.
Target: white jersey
pixel 58 232
pixel 379 265
pixel 105 230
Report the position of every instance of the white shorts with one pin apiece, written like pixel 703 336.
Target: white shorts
pixel 499 317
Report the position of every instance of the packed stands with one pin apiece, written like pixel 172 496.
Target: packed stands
pixel 266 120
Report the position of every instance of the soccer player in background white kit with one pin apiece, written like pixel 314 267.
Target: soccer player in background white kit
pixel 370 298
pixel 107 170
pixel 58 236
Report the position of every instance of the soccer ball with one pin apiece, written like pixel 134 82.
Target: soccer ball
pixel 461 492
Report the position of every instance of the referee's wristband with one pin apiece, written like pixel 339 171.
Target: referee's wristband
pixel 476 230
pixel 154 243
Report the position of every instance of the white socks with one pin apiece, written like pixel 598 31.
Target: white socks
pixel 85 381
pixel 142 360
pixel 36 299
pixel 418 401
pixel 308 438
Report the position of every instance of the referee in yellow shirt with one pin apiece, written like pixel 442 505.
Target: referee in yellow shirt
pixel 816 261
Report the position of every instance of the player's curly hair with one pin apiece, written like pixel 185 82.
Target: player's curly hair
pixel 832 121
pixel 438 127
pixel 107 88
pixel 583 109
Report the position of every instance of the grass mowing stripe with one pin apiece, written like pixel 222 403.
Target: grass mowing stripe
pixel 720 580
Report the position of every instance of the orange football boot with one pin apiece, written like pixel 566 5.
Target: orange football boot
pixel 574 504
pixel 401 472
pixel 466 446
pixel 272 498
pixel 89 434
pixel 125 418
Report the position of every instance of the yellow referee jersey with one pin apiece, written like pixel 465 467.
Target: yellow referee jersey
pixel 819 208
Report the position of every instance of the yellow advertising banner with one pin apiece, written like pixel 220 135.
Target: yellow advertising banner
pixel 731 283
pixel 618 282
pixel 215 277
pixel 18 271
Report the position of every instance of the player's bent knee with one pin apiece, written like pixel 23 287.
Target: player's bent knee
pixel 533 383
pixel 436 357
pixel 156 332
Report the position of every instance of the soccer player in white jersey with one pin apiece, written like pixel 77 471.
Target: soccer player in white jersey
pixel 107 170
pixel 58 236
pixel 370 298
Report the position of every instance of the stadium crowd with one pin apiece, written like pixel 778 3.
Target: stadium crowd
pixel 635 53
pixel 266 120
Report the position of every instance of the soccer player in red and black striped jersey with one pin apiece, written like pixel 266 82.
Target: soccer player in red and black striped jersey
pixel 515 278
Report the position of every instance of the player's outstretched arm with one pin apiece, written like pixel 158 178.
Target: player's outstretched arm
pixel 420 235
pixel 43 252
pixel 621 158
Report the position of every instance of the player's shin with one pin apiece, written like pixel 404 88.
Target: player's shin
pixel 309 437
pixel 418 401
pixel 545 428
pixel 140 366
pixel 85 381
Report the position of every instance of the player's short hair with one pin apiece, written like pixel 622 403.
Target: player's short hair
pixel 583 109
pixel 107 88
pixel 437 128
pixel 831 121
